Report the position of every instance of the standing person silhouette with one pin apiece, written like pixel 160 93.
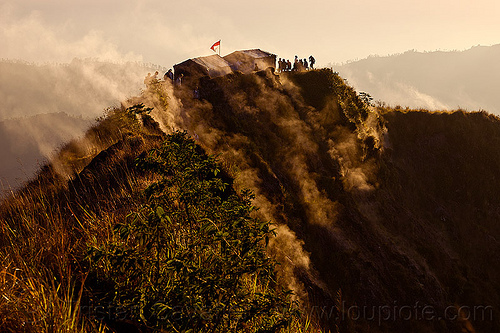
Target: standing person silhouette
pixel 312 61
pixel 168 76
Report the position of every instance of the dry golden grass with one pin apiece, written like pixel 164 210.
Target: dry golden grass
pixel 71 205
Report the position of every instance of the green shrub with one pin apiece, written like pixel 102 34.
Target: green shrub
pixel 192 257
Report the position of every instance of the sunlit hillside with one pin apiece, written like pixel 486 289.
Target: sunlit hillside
pixel 366 219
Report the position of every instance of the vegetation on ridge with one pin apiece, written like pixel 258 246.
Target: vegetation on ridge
pixel 148 234
pixel 191 257
pixel 324 163
pixel 373 208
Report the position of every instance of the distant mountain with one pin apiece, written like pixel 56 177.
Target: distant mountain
pixel 436 80
pixel 27 143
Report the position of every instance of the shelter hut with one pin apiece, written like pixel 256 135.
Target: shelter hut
pixel 248 61
pixel 194 69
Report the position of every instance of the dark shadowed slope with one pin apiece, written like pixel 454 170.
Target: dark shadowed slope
pixel 439 199
pixel 395 210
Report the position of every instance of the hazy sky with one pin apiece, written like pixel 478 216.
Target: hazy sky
pixel 166 32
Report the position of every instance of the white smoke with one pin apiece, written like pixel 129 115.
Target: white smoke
pixel 48 104
pixel 28 143
pixel 81 88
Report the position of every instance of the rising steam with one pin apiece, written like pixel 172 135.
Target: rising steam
pixel 274 143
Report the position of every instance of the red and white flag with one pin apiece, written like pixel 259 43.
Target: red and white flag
pixel 216 45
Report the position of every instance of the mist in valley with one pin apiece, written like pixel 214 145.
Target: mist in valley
pixel 439 80
pixel 46 105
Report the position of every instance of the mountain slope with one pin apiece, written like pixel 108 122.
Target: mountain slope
pixel 386 220
pixel 433 80
pixel 321 163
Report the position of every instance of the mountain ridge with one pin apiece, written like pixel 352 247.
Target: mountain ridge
pixel 374 208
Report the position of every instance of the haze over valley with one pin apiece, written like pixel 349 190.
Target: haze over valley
pixel 437 80
pixel 45 106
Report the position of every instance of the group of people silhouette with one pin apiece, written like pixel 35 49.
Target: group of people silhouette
pixel 298 65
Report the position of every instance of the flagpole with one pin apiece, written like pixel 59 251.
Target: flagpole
pixel 219 47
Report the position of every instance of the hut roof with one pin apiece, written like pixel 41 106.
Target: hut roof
pixel 212 61
pixel 213 65
pixel 254 53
